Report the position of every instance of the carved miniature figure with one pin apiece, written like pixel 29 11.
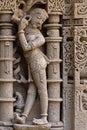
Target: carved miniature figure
pixel 31 39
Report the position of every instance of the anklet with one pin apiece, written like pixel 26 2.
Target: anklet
pixel 24 115
pixel 44 114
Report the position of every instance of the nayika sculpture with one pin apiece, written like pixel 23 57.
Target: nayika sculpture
pixel 31 39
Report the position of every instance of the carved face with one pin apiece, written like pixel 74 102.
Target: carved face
pixel 37 21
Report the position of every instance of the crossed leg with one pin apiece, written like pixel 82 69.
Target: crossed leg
pixel 41 84
pixel 28 105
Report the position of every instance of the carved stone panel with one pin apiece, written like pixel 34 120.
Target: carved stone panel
pixel 43 64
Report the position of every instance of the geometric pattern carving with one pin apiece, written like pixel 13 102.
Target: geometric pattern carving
pixel 55 6
pixel 7 5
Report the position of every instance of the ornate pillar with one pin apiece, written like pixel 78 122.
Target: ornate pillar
pixel 53 52
pixel 6 62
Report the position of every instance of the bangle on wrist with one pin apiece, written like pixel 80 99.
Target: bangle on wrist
pixel 21 31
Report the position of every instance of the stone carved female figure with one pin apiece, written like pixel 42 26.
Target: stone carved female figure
pixel 30 39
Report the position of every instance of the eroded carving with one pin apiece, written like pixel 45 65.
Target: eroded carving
pixel 19 103
pixel 17 72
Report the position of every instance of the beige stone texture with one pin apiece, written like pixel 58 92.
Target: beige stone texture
pixel 43 64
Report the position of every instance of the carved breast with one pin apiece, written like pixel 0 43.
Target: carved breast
pixel 32 34
pixel 30 37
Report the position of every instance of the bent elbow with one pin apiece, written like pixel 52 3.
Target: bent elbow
pixel 43 40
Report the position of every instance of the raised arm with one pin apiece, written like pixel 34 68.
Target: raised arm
pixel 31 43
pixel 37 42
pixel 23 41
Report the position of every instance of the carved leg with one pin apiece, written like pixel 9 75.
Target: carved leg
pixel 41 83
pixel 29 103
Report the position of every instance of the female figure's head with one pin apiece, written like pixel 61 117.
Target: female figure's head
pixel 38 17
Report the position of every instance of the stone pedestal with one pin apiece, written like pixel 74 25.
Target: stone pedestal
pixel 32 127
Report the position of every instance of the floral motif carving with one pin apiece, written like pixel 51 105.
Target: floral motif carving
pixel 27 4
pixel 82 9
pixel 68 49
pixel 80 47
pixel 13 4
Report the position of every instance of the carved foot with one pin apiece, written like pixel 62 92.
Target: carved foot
pixel 20 120
pixel 41 121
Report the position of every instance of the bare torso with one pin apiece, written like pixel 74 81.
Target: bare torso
pixel 35 58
